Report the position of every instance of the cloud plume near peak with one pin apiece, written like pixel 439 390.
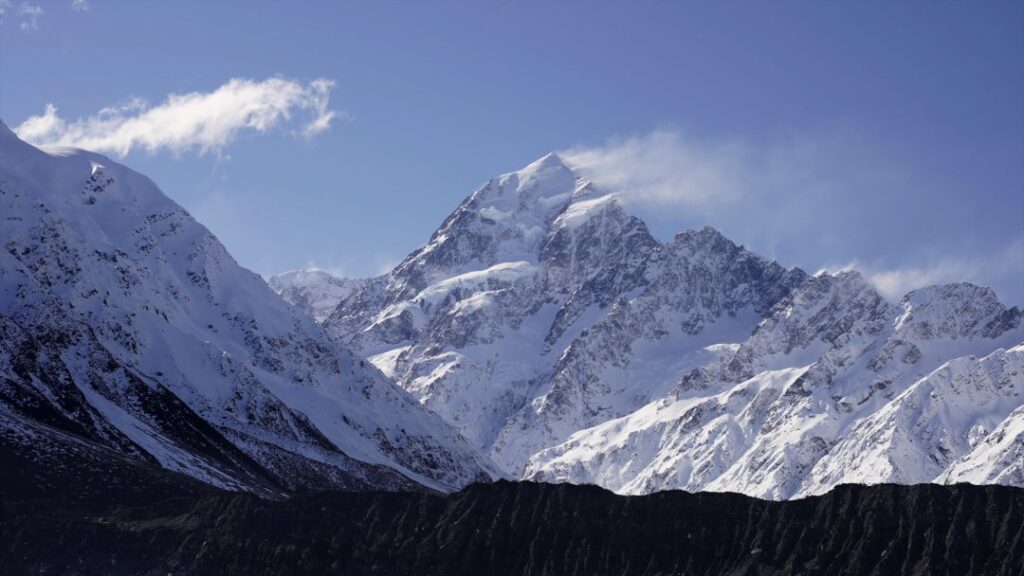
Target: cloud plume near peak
pixel 663 168
pixel 197 121
pixel 831 194
pixel 994 267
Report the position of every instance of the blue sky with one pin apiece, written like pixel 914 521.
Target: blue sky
pixel 888 136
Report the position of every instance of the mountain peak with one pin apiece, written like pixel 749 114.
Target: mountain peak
pixel 955 310
pixel 706 239
pixel 851 278
pixel 704 234
pixel 302 276
pixel 12 143
pixel 190 360
pixel 313 291
pixel 549 160
pixel 951 291
pixel 548 174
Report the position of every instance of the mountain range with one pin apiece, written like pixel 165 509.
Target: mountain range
pixel 547 325
pixel 542 333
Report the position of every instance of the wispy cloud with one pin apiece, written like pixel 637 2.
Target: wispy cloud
pixel 335 270
pixel 663 168
pixel 323 116
pixel 806 199
pixel 30 14
pixel 197 121
pixel 769 189
pixel 384 263
pixel 999 269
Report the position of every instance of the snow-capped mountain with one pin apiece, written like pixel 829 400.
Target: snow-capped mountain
pixel 562 339
pixel 826 391
pixel 541 333
pixel 540 307
pixel 314 292
pixel 125 323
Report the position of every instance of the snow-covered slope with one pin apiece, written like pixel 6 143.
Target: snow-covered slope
pixel 125 322
pixel 546 323
pixel 871 399
pixel 996 459
pixel 542 332
pixel 915 437
pixel 541 307
pixel 315 292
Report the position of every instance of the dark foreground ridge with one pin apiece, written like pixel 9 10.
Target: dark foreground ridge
pixel 97 515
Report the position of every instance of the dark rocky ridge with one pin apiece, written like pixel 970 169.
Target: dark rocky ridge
pixel 122 517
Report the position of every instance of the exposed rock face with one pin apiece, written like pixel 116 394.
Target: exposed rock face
pixel 546 323
pixel 835 386
pixel 124 322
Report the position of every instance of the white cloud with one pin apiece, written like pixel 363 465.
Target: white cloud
pixel 992 268
pixel 323 116
pixel 197 121
pixel 666 169
pixel 806 199
pixel 335 270
pixel 893 284
pixel 663 168
pixel 384 263
pixel 767 192
pixel 999 269
pixel 79 5
pixel 30 14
